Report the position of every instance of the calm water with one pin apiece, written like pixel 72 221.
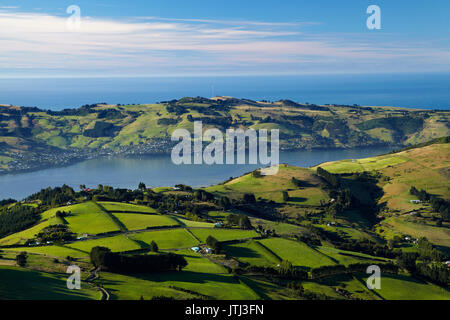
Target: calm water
pixel 410 90
pixel 155 171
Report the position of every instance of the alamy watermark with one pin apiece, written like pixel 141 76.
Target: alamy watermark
pixel 74 280
pixel 74 21
pixel 374 281
pixel 231 150
pixel 374 20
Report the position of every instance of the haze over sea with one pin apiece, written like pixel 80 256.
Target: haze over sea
pixel 429 91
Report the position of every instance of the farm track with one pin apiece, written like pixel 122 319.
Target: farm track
pixel 94 276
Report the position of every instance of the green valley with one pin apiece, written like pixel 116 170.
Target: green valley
pixel 304 233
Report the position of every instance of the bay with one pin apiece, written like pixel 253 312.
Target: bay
pixel 155 171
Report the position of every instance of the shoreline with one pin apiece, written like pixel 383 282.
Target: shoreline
pixel 111 154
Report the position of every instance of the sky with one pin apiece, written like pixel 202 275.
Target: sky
pixel 247 37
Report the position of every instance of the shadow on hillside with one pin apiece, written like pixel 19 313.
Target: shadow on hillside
pixel 32 285
pixel 297 199
pixel 241 252
pixel 186 276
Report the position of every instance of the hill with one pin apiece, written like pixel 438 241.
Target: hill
pixel 305 233
pixel 31 138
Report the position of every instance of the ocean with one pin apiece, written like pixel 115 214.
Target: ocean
pixel 429 91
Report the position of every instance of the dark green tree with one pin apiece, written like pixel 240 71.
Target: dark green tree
pixel 154 247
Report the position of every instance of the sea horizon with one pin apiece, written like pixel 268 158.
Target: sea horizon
pixel 418 90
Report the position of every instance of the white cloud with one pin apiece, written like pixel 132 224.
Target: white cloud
pixel 42 42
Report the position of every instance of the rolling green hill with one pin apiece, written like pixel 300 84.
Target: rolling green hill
pixel 321 237
pixel 45 138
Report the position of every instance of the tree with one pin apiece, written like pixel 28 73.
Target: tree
pixel 21 259
pixel 213 243
pixel 286 267
pixel 99 255
pixel 225 203
pixel 285 196
pixel 142 186
pixel 244 222
pixel 249 198
pixel 154 247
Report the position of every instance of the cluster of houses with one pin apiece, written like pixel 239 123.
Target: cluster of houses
pixel 38 243
pixel 83 236
pixel 410 239
pixel 202 250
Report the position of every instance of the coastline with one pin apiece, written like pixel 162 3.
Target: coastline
pixel 102 154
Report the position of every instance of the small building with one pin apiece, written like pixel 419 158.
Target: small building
pixel 447 263
pixel 407 238
pixel 415 201
pixel 331 224
pixel 195 249
pixel 218 225
pixel 208 250
pixel 413 213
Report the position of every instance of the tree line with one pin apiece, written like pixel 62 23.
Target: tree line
pixel 438 204
pixel 102 257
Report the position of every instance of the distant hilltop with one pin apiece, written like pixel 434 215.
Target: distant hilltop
pixel 35 136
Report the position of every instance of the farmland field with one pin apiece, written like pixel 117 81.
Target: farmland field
pixel 399 287
pixel 125 207
pixel 88 218
pixel 298 253
pixel 270 187
pixel 167 239
pixel 21 284
pixel 54 251
pixel 224 234
pixel 253 253
pixel 436 235
pixel 137 221
pixel 116 244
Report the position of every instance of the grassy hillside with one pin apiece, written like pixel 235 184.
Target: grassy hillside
pixel 375 224
pixel 40 135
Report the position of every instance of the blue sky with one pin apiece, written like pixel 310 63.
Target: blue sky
pixel 151 38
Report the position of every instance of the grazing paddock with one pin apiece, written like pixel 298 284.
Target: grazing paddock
pixel 298 253
pixel 399 225
pixel 252 252
pixel 137 221
pixel 125 207
pixel 348 257
pixel 53 251
pixel 224 234
pixel 401 287
pixel 193 224
pixel 166 239
pixel 24 284
pixel 88 218
pixel 270 187
pixel 123 287
pixel 117 243
pixel 360 165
